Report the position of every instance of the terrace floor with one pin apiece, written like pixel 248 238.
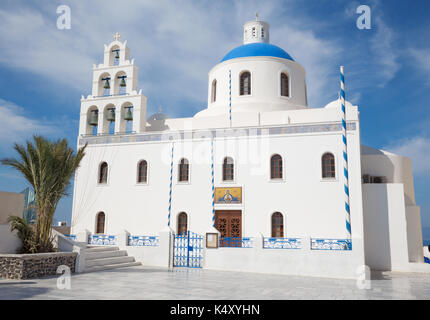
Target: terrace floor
pixel 144 282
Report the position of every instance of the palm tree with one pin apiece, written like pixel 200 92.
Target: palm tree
pixel 25 234
pixel 48 167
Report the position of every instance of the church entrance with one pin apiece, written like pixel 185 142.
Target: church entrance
pixel 229 224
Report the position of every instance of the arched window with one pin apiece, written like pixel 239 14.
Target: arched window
pixel 142 172
pixel 277 225
pixel 328 166
pixel 100 226
pixel 228 169
pixel 182 223
pixel 183 170
pixel 245 83
pixel 103 173
pixel 214 90
pixel 276 167
pixel 284 85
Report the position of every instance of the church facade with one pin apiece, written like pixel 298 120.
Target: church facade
pixel 254 182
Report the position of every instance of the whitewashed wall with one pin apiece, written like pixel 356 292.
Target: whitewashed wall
pixel 9 241
pixel 385 227
pixel 311 205
pixel 305 262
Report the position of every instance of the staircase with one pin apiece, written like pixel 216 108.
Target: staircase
pixel 104 258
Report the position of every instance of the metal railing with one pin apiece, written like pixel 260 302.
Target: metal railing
pixel 143 241
pixel 282 243
pixel 71 236
pixel 102 239
pixel 331 244
pixel 236 242
pixel 112 95
pixel 100 135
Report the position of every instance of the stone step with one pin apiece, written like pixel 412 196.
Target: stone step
pixel 109 261
pixel 91 249
pixel 112 266
pixel 91 255
pixel 80 242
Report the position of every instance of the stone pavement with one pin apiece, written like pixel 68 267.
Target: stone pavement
pixel 157 283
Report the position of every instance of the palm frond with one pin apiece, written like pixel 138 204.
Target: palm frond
pixel 48 167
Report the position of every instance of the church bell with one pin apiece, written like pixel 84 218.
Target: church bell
pixel 94 118
pixel 107 85
pixel 111 115
pixel 122 83
pixel 128 115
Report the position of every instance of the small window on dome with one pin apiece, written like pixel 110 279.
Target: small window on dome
pixel 262 32
pixel 284 85
pixel 253 32
pixel 245 83
pixel 213 90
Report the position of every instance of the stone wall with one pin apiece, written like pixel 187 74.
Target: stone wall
pixel 27 266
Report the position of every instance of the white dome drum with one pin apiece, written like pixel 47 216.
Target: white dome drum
pixel 263 77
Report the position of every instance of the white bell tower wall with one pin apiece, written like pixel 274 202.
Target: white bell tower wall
pixel 256 31
pixel 109 91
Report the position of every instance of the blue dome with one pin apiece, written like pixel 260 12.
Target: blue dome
pixel 258 49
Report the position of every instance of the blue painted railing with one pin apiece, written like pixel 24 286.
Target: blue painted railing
pixel 143 241
pixel 282 243
pixel 236 242
pixel 102 239
pixel 331 244
pixel 71 236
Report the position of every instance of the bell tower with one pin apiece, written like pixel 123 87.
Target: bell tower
pixel 114 105
pixel 256 31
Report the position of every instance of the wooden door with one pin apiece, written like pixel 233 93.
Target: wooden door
pixel 229 224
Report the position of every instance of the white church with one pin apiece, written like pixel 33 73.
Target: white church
pixel 255 182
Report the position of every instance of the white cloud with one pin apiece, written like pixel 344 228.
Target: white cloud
pixel 318 56
pixel 15 126
pixel 383 47
pixel 416 148
pixel 422 58
pixel 175 44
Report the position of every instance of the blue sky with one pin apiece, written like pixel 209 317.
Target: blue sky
pixel 175 43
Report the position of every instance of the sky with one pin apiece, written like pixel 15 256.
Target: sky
pixel 45 70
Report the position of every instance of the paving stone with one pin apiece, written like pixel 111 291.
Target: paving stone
pixel 158 283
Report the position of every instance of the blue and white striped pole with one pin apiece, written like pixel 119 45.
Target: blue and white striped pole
pixel 170 190
pixel 229 90
pixel 345 153
pixel 213 183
